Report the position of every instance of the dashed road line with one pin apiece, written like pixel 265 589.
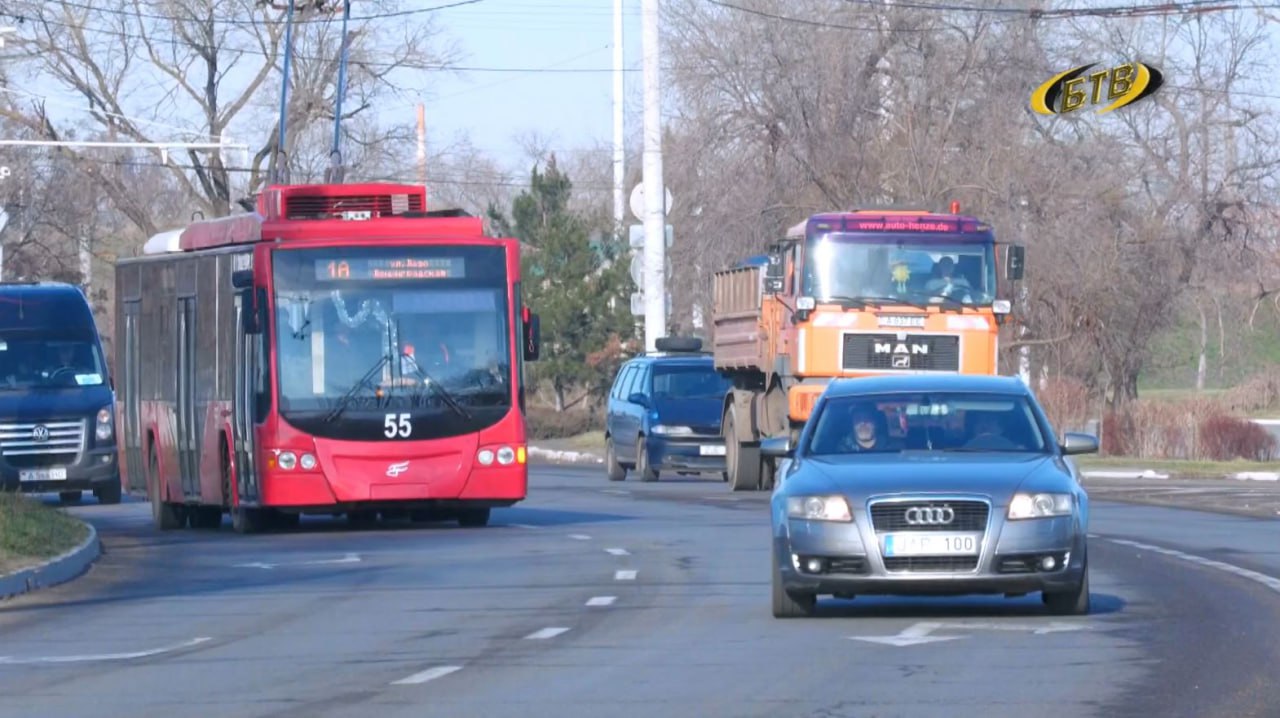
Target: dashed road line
pixel 601 600
pixel 618 551
pixel 580 537
pixel 1270 582
pixel 624 576
pixel 615 492
pixel 545 633
pixel 428 675
pixel 525 526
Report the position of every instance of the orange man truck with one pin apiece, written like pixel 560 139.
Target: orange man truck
pixel 852 294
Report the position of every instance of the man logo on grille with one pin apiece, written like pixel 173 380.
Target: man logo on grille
pixel 930 515
pixel 40 433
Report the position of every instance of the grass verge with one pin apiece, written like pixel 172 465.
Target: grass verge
pixel 1212 469
pixel 31 532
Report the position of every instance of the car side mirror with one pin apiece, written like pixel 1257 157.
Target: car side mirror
pixel 532 337
pixel 1073 443
pixel 778 447
pixel 1014 261
pixel 638 398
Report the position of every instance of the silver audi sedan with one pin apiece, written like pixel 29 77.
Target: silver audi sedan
pixel 929 485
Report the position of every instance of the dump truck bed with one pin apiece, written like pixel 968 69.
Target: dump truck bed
pixel 739 340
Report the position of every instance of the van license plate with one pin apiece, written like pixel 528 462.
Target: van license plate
pixel 42 475
pixel 711 450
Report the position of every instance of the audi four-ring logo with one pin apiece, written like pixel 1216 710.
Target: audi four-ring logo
pixel 930 515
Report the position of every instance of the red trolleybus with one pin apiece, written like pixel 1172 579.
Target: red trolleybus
pixel 340 351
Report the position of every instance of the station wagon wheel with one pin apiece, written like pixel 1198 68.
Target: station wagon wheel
pixel 616 471
pixel 1073 601
pixel 791 604
pixel 647 473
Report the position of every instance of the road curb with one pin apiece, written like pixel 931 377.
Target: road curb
pixel 56 570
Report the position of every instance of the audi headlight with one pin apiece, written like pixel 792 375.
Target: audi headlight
pixel 105 424
pixel 672 430
pixel 1034 506
pixel 819 508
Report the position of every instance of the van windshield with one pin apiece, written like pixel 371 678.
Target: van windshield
pixel 49 364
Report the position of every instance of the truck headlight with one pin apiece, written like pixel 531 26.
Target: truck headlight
pixel 1034 506
pixel 105 427
pixel 818 508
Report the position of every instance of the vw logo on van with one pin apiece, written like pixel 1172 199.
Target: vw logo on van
pixel 40 433
pixel 930 515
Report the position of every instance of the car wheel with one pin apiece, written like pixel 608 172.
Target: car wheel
pixel 616 471
pixel 791 604
pixel 1072 602
pixel 646 472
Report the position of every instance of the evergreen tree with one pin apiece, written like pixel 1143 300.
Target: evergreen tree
pixel 576 286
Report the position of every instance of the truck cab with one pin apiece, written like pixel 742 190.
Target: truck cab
pixel 57 419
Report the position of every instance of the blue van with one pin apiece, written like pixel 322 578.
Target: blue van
pixel 57 405
pixel 664 413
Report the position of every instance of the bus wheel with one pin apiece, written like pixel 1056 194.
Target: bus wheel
pixel 247 521
pixel 166 516
pixel 473 518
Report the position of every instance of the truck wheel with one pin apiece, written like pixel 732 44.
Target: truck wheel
pixel 616 470
pixel 743 464
pixel 647 473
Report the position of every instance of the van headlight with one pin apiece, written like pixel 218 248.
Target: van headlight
pixel 106 420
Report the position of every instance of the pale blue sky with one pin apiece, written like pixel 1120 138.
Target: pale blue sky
pixel 571 109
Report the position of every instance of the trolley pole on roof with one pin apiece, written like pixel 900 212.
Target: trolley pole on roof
pixel 336 168
pixel 279 170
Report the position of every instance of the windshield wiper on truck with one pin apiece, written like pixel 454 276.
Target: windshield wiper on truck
pixel 894 300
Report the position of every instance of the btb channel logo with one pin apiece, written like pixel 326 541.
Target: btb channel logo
pixel 1073 90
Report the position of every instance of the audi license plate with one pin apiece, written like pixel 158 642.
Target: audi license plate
pixel 705 450
pixel 930 544
pixel 42 475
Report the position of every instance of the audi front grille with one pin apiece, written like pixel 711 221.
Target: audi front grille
pixel 965 515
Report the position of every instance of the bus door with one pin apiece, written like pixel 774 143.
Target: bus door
pixel 188 433
pixel 132 390
pixel 248 375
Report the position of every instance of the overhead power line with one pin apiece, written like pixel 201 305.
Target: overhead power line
pixel 315 7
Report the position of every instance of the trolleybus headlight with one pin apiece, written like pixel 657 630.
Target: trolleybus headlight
pixel 308 462
pixel 485 457
pixel 104 430
pixel 288 460
pixel 506 455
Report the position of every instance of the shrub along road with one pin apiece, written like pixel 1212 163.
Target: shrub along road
pixel 598 599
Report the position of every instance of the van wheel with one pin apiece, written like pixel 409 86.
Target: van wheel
pixel 616 470
pixel 164 515
pixel 109 493
pixel 647 473
pixel 70 497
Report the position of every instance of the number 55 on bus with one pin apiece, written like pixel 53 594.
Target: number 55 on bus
pixel 297 361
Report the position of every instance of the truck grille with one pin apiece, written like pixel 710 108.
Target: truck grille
pixel 918 352
pixel 892 516
pixel 37 444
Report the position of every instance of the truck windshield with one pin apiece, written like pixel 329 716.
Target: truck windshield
pixel 31 363
pixel 944 268
pixel 361 332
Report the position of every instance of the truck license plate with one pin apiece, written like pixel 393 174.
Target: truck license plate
pixel 930 544
pixel 711 450
pixel 42 475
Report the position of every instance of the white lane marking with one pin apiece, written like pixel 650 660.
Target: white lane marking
pixel 615 492
pixel 1270 582
pixel 920 632
pixel 349 558
pixel 428 675
pixel 601 600
pixel 624 576
pixel 545 633
pixel 580 537
pixel 525 526
pixel 618 551
pixel 12 661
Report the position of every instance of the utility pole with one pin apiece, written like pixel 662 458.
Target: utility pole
pixel 655 236
pixel 422 145
pixel 619 151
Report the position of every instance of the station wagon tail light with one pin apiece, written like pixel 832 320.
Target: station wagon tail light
pixel 819 508
pixel 666 430
pixel 503 455
pixel 104 429
pixel 1034 506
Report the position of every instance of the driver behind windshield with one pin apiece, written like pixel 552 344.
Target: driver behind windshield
pixel 868 432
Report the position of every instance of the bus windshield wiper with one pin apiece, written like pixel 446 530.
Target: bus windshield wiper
pixel 363 382
pixel 440 390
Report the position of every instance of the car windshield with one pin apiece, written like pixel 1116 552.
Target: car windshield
pixel 879 267
pixel 684 383
pixel 27 363
pixel 380 328
pixel 933 421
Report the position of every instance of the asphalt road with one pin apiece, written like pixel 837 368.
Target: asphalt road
pixel 601 599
